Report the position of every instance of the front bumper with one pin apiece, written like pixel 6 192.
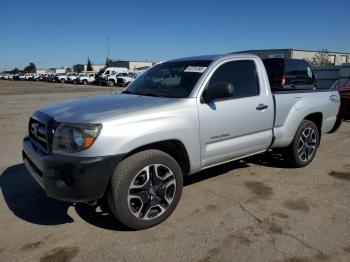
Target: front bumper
pixel 72 179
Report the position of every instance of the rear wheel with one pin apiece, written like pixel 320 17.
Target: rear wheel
pixel 85 82
pixel 145 189
pixel 303 148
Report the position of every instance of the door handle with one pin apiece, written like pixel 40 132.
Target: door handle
pixel 262 107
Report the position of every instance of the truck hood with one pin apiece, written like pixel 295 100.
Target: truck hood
pixel 101 108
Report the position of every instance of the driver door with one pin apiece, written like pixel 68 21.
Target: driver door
pixel 239 125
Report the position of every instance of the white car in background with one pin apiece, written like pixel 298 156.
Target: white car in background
pixel 102 76
pixel 22 77
pixel 127 79
pixel 37 77
pixel 31 76
pixel 85 78
pixel 71 77
pixel 7 77
pixel 61 77
pixel 111 80
pixel 27 76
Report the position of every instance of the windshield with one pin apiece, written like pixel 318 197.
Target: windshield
pixel 169 79
pixel 101 71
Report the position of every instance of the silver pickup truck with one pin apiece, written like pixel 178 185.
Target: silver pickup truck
pixel 177 118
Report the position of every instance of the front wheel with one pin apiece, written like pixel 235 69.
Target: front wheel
pixel 145 189
pixel 111 83
pixel 303 148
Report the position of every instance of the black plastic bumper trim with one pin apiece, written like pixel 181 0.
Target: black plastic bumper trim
pixel 72 179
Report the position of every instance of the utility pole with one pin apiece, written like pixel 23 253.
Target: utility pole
pixel 107 47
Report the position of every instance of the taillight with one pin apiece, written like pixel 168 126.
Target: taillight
pixel 283 80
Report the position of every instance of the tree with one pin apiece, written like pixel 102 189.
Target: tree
pixel 68 70
pixel 89 65
pixel 78 68
pixel 15 71
pixel 321 58
pixel 109 62
pixel 31 68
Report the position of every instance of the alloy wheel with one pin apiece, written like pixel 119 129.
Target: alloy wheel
pixel 151 191
pixel 307 144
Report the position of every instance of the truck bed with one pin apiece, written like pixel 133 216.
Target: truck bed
pixel 292 106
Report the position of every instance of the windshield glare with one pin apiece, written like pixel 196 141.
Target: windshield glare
pixel 169 79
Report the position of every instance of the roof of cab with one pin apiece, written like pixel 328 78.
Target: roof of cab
pixel 212 57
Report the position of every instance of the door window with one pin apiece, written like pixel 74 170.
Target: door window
pixel 241 74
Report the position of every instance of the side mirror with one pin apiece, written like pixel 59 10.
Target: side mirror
pixel 219 90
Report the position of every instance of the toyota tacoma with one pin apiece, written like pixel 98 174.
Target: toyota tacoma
pixel 178 118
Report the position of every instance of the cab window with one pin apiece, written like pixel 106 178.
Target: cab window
pixel 298 72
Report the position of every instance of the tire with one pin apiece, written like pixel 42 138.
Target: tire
pixel 110 83
pixel 131 177
pixel 300 153
pixel 85 82
pixel 62 81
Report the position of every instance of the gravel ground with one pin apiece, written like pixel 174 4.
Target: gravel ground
pixel 252 210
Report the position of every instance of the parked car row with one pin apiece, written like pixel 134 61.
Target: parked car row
pixel 108 76
pixel 111 76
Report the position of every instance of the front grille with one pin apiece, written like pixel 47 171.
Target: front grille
pixel 120 80
pixel 40 129
pixel 38 133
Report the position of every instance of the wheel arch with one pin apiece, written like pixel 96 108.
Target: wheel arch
pixel 286 133
pixel 173 147
pixel 317 118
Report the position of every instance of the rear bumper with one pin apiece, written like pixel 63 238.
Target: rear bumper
pixel 73 179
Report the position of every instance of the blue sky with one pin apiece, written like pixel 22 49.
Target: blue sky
pixel 62 33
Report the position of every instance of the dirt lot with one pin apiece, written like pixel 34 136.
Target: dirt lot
pixel 253 210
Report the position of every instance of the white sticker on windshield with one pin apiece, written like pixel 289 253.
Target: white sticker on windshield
pixel 195 69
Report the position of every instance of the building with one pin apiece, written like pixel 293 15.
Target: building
pixel 335 58
pixel 43 71
pixel 61 70
pixel 133 65
pixel 95 67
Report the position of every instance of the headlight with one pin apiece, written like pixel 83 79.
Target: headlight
pixel 75 137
